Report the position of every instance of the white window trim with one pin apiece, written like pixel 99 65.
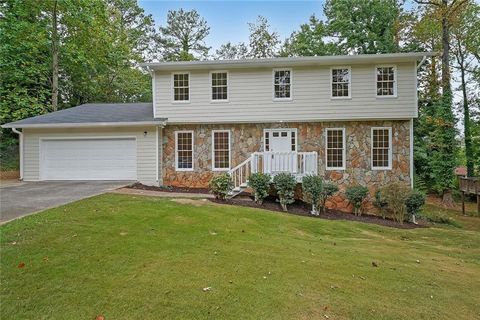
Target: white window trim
pixel 270 131
pixel 349 83
pixel 390 147
pixel 395 80
pixel 273 84
pixel 229 151
pixel 172 89
pixel 228 87
pixel 344 151
pixel 176 150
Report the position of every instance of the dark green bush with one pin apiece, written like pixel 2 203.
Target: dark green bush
pixel 380 203
pixel 357 196
pixel 285 184
pixel 221 185
pixel 260 183
pixel 312 187
pixel 329 189
pixel 414 203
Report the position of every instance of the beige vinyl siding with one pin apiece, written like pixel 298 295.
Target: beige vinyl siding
pixel 146 153
pixel 251 97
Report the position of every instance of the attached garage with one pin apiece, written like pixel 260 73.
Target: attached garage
pixel 88 159
pixel 120 141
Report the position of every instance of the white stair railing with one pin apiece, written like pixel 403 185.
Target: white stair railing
pixel 241 173
pixel 297 163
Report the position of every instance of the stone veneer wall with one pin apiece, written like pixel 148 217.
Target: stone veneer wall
pixel 248 138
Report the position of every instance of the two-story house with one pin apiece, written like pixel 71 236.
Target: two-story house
pixel 348 118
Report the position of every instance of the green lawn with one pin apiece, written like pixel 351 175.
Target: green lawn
pixel 131 257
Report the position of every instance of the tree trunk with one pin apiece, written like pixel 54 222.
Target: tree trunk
pixel 447 199
pixel 466 111
pixel 446 86
pixel 54 58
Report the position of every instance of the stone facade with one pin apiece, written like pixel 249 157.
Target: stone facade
pixel 248 138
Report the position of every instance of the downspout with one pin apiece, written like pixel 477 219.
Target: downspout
pixel 20 147
pixel 421 62
pixel 411 154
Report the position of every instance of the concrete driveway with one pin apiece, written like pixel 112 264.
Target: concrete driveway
pixel 23 198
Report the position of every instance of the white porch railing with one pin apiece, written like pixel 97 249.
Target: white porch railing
pixel 297 163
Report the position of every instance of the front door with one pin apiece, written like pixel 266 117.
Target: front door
pixel 281 141
pixel 280 152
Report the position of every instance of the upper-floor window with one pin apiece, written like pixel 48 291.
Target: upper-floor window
pixel 381 148
pixel 386 81
pixel 341 82
pixel 335 148
pixel 184 150
pixel 221 149
pixel 181 87
pixel 282 84
pixel 219 86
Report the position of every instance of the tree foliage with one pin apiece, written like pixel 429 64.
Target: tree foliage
pixel 310 40
pixel 231 51
pixel 263 42
pixel 364 26
pixel 183 38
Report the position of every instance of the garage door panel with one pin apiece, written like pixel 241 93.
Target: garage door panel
pixel 89 159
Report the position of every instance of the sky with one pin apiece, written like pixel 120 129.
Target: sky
pixel 228 19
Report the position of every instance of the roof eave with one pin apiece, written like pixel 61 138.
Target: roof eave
pixel 84 124
pixel 290 61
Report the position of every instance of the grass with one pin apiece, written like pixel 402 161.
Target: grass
pixel 131 257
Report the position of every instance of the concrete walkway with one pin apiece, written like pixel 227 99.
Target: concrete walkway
pixel 162 194
pixel 18 199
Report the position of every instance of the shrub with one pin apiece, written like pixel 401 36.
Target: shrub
pixel 357 195
pixel 260 183
pixel 285 184
pixel 380 203
pixel 221 185
pixel 395 194
pixel 414 203
pixel 312 187
pixel 329 189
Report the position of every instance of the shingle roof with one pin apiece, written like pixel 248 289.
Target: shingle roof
pixel 93 113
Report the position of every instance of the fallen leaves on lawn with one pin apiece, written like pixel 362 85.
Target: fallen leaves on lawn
pixel 99 317
pixel 21 265
pixel 45 259
pixel 206 289
pixel 123 233
pixel 213 233
pixel 374 264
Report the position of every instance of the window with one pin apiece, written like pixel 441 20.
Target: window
pixel 282 82
pixel 386 82
pixel 341 82
pixel 335 148
pixel 219 86
pixel 221 150
pixel 184 150
pixel 381 148
pixel 181 90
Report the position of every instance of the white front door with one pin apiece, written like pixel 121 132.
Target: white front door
pixel 281 141
pixel 280 155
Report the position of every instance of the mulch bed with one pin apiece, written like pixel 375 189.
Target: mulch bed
pixel 299 207
pixel 303 209
pixel 170 189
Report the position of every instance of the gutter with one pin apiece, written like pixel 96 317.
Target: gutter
pixel 20 149
pixel 86 124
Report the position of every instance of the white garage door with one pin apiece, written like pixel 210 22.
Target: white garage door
pixel 88 159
